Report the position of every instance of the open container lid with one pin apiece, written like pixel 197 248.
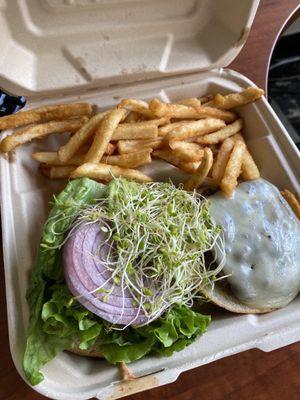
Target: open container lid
pixel 62 45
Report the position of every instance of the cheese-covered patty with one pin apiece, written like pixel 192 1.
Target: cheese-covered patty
pixel 262 239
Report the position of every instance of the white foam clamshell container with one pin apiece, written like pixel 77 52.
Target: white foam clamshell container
pixel 100 51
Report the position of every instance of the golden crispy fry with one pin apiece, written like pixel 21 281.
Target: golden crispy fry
pixel 188 167
pixel 61 172
pixel 138 130
pixel 219 165
pixel 130 160
pixel 171 110
pixel 131 146
pixel 195 128
pixel 106 172
pixel 68 150
pixel 51 158
pixel 197 179
pixel 233 168
pixel 205 112
pixel 237 137
pixel 292 200
pixel 163 130
pixel 191 102
pixel 170 157
pixel 138 106
pixel 46 157
pixel 44 114
pixel 132 117
pixel 159 121
pixel 237 99
pixel 68 109
pixel 39 131
pixel 249 168
pixel 222 134
pixel 85 148
pixel 103 135
pixel 185 151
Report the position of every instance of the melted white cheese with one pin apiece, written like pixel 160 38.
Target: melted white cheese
pixel 262 242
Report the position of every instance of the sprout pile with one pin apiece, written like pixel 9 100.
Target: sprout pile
pixel 159 238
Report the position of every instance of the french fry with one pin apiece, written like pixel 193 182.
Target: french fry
pixel 139 130
pixel 170 157
pixel 110 149
pixel 249 168
pixel 219 165
pixel 39 131
pixel 61 172
pixel 188 167
pixel 132 117
pixel 192 102
pixel 206 112
pixel 195 128
pixel 188 152
pixel 106 172
pixel 46 157
pixel 159 121
pixel 67 151
pixel 131 146
pixel 197 179
pixel 163 130
pixel 233 168
pixel 222 134
pixel 237 99
pixel 51 158
pixel 130 160
pixel 103 135
pixel 44 114
pixel 138 106
pixel 171 110
pixel 292 201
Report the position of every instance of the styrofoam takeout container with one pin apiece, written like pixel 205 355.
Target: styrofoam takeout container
pixel 100 51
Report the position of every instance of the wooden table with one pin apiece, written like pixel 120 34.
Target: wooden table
pixel 250 375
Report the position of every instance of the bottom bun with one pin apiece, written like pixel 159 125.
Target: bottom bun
pixel 221 296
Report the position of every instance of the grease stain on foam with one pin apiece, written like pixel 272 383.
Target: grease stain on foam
pixel 130 387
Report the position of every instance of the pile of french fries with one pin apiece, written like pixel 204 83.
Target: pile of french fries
pixel 201 136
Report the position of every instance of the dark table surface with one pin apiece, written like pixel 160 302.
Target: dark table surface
pixel 250 375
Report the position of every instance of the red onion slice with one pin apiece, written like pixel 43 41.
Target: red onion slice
pixel 85 273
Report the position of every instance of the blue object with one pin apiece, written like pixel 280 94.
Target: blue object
pixel 10 104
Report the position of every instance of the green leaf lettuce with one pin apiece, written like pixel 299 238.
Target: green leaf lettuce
pixel 58 322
